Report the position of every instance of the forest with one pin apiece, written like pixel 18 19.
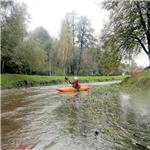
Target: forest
pixel 77 50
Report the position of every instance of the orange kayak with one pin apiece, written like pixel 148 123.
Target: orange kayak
pixel 72 89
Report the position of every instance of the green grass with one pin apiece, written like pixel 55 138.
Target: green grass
pixel 17 80
pixel 138 81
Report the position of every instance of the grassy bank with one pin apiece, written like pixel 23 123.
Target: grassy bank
pixel 138 81
pixel 16 80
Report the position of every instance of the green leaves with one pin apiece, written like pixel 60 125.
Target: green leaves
pixel 128 27
pixel 14 18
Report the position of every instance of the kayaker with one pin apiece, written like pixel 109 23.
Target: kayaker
pixel 75 83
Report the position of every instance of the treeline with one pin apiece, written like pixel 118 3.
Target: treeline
pixel 21 52
pixel 76 51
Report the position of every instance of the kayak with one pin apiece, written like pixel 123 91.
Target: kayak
pixel 72 89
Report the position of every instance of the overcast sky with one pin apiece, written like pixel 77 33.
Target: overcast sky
pixel 49 14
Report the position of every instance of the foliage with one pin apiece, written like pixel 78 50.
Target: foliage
pixel 71 21
pixel 85 38
pixel 129 28
pixel 13 30
pixel 109 63
pixel 65 46
pixel 74 52
pixel 42 38
pixel 22 52
pixel 43 41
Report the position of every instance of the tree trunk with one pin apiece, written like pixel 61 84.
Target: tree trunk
pixel 149 58
pixel 3 64
pixel 64 70
pixel 68 70
pixel 148 29
pixel 79 63
pixel 72 69
pixel 72 65
pixel 49 63
pixel 80 58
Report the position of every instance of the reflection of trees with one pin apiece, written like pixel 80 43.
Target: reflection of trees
pixel 77 115
pixel 104 109
pixel 131 116
pixel 12 119
pixel 11 102
pixel 72 117
pixel 84 124
pixel 71 111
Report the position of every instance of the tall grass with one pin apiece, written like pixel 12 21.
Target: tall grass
pixel 138 81
pixel 18 80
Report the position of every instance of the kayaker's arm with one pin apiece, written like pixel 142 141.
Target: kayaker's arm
pixel 66 79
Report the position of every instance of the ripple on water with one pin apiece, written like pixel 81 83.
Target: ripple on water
pixel 47 120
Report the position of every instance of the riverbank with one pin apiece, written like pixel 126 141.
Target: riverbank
pixel 9 81
pixel 138 81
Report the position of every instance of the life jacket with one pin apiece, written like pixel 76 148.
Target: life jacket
pixel 75 84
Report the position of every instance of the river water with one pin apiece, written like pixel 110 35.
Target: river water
pixel 103 119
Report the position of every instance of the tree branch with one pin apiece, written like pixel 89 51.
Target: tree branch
pixel 144 48
pixel 148 24
pixel 141 17
pixel 148 15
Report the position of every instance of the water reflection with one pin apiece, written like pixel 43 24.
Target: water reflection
pixel 76 121
pixel 119 117
pixel 45 119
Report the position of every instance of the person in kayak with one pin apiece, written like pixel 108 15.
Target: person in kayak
pixel 75 83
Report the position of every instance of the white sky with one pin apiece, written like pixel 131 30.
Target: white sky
pixel 49 14
pixel 142 59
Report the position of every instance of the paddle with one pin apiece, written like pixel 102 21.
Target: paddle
pixel 66 79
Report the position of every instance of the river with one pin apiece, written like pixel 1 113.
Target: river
pixel 103 119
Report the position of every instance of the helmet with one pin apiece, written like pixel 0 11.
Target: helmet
pixel 75 78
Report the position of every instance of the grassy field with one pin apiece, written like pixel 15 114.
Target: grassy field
pixel 138 81
pixel 16 80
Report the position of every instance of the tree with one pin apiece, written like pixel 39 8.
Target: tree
pixel 30 58
pixel 65 46
pixel 109 57
pixel 6 8
pixel 21 53
pixel 85 37
pixel 45 42
pixel 13 30
pixel 41 36
pixel 71 21
pixel 109 63
pixel 129 26
pixel 90 62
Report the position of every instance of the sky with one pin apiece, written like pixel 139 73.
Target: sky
pixel 50 13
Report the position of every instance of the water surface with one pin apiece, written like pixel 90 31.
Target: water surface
pixel 42 118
